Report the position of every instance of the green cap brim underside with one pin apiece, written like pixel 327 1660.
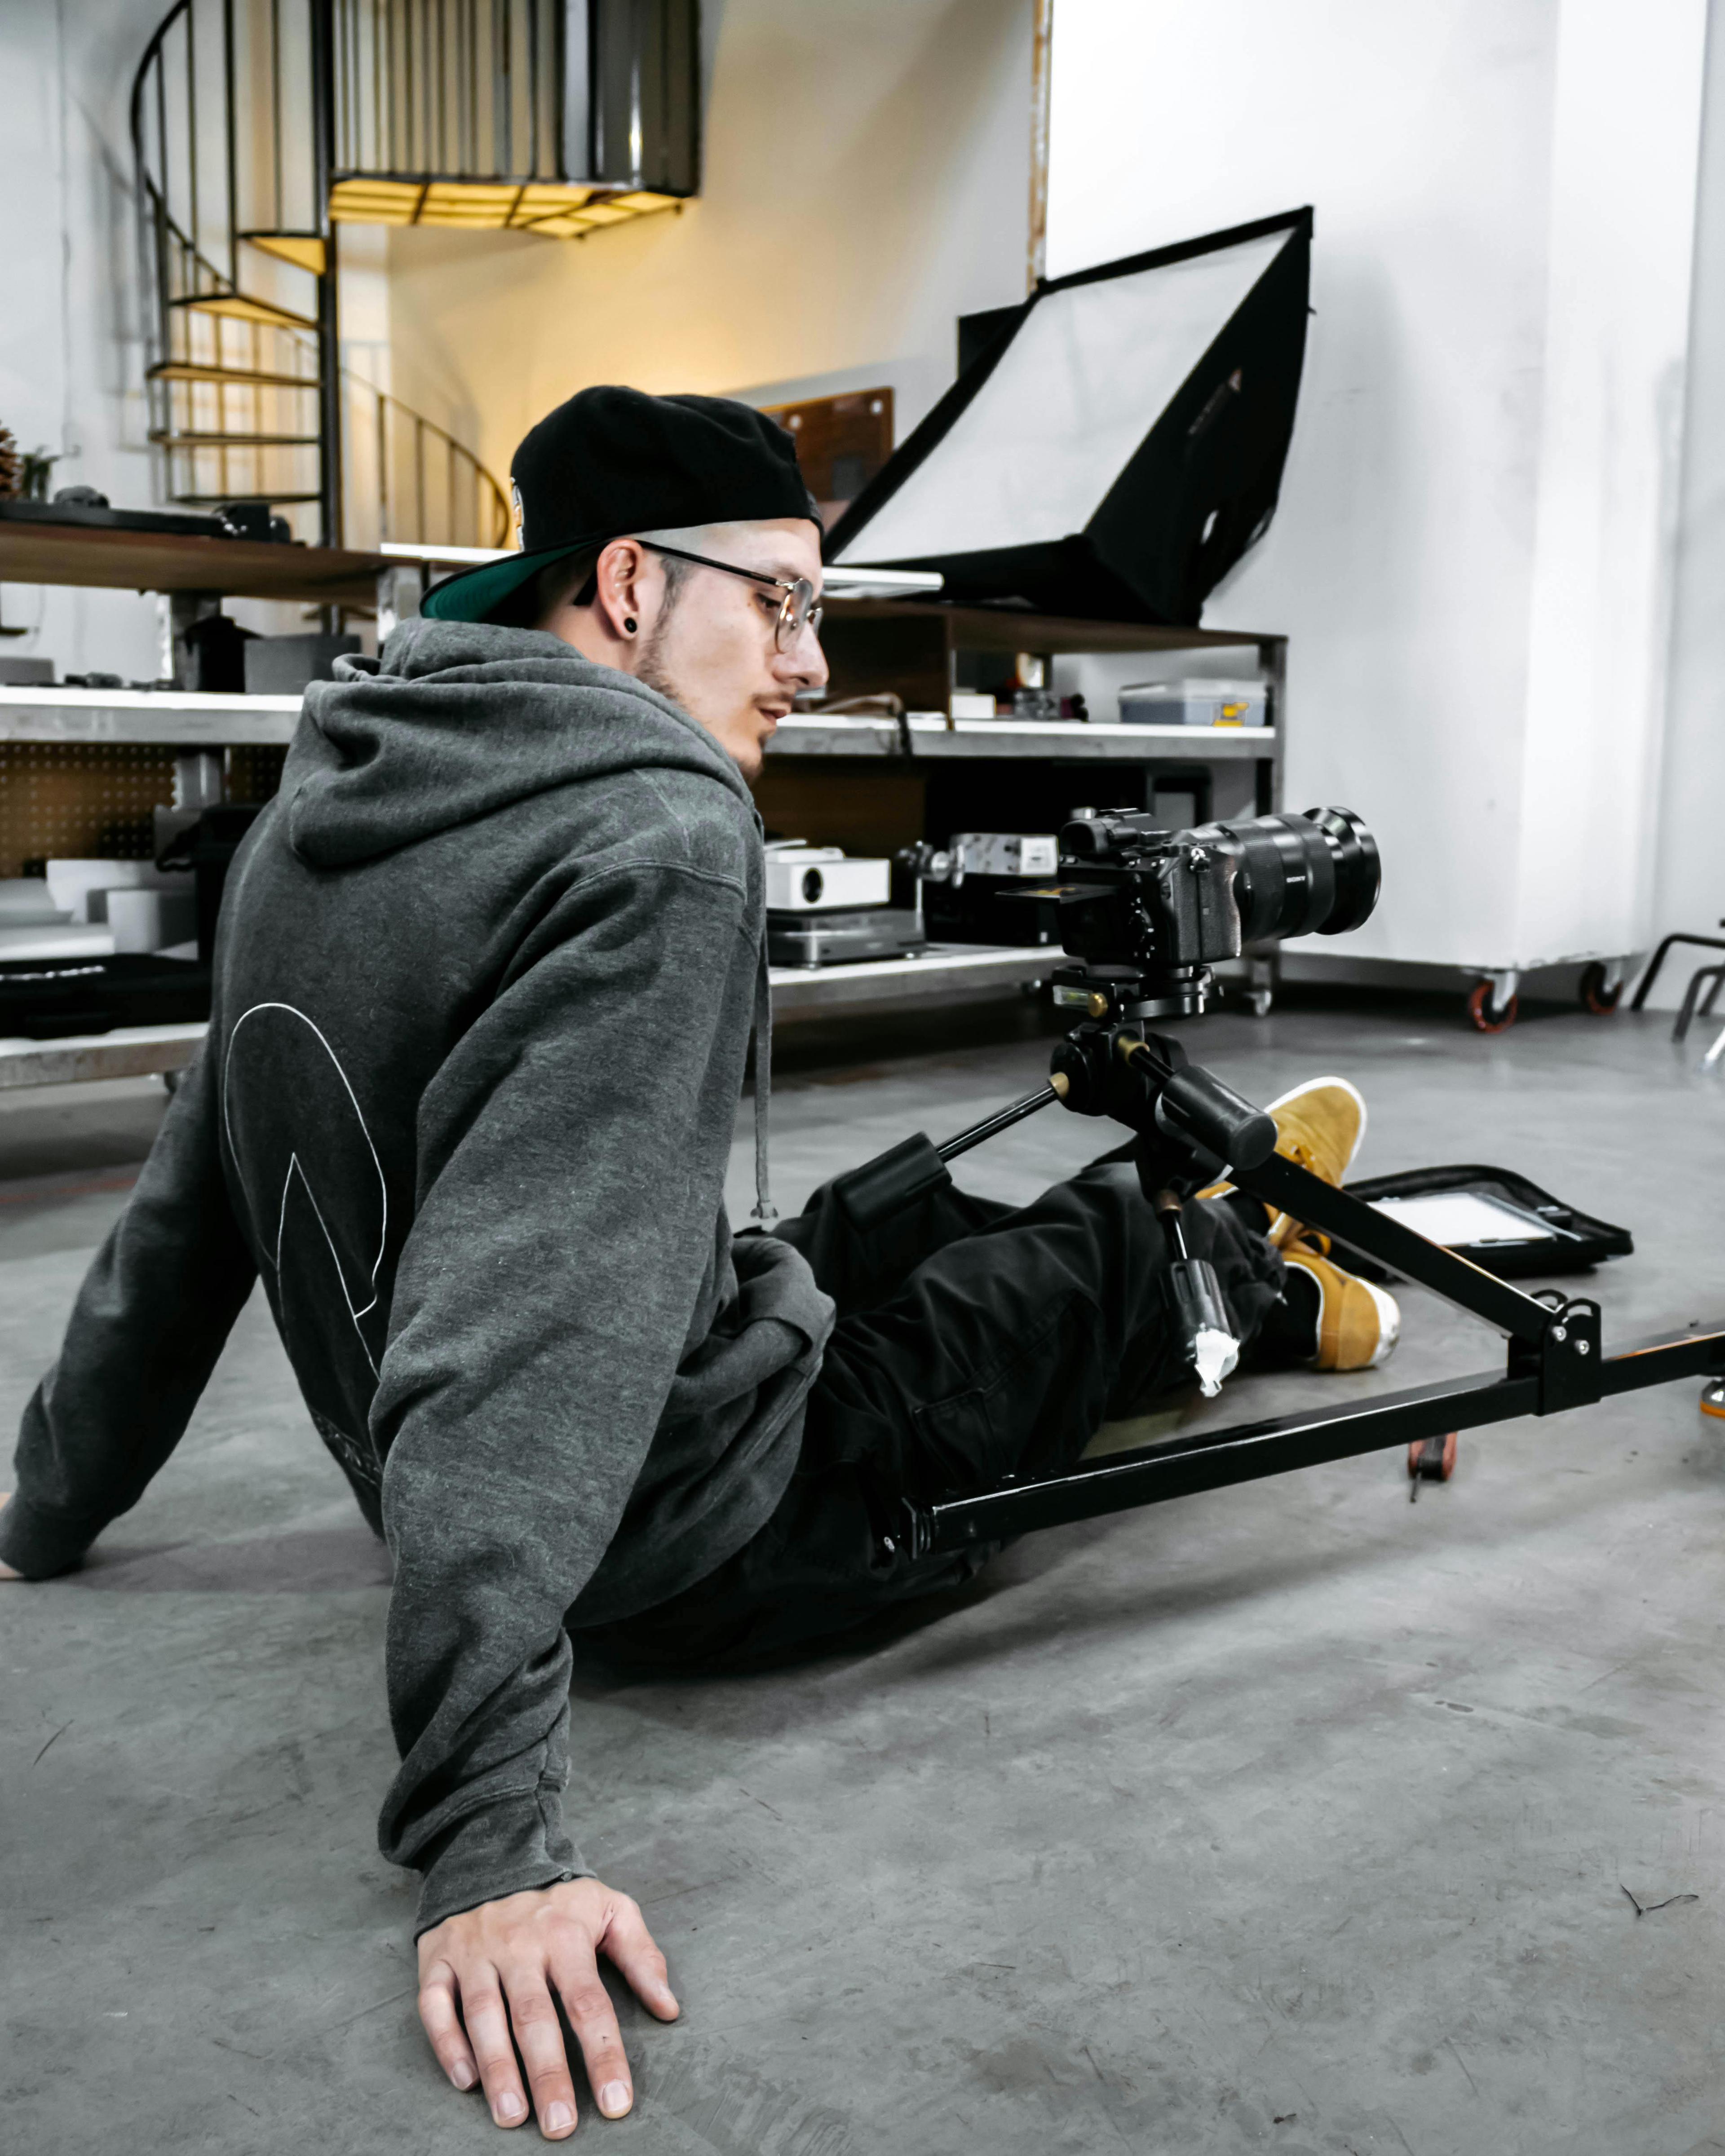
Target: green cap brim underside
pixel 471 594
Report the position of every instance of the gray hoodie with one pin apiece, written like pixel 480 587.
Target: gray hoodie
pixel 484 990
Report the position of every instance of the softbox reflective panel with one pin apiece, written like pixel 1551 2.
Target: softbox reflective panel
pixel 1119 444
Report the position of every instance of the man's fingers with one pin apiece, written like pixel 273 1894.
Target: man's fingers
pixel 489 1981
pixel 442 2024
pixel 630 1945
pixel 541 2043
pixel 588 2006
pixel 488 2032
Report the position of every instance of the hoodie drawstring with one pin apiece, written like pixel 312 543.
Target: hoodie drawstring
pixel 765 1211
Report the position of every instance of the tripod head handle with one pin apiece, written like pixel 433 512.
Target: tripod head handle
pixel 1110 1068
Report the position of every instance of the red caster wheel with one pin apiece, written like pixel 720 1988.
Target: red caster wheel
pixel 1433 1460
pixel 1595 996
pixel 1488 1016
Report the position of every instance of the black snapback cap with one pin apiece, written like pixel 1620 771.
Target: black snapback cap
pixel 612 461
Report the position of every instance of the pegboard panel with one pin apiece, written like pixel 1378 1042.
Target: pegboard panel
pixel 254 774
pixel 80 800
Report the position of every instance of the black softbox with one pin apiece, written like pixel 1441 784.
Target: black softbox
pixel 1119 445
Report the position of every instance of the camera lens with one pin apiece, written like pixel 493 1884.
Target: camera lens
pixel 1315 874
pixel 1359 877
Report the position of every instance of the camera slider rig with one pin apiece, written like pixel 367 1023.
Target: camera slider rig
pixel 1171 902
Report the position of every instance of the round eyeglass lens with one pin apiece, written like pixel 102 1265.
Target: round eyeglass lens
pixel 801 610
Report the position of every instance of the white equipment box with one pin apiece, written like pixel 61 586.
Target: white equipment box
pixel 1006 852
pixel 813 879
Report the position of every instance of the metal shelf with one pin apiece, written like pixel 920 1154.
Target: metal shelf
pixel 141 1051
pixel 130 1051
pixel 933 737
pixel 177 716
pixel 168 715
pixel 105 555
pixel 943 969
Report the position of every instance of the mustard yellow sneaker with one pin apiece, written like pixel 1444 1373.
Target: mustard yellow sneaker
pixel 1358 1324
pixel 1319 1126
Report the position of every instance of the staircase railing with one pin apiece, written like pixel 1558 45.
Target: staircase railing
pixel 426 485
pixel 233 116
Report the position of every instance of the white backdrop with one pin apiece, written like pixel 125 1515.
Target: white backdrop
pixel 1472 556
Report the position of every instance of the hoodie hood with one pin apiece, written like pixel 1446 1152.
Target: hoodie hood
pixel 457 720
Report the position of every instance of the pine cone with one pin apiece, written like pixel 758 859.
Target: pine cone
pixel 12 465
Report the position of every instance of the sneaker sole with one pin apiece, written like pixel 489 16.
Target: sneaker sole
pixel 1390 1322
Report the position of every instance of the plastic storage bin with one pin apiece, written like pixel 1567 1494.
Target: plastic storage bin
pixel 1195 703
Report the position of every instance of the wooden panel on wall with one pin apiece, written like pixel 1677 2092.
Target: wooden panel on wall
pixel 844 802
pixel 841 442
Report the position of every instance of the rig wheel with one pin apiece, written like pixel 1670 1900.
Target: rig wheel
pixel 1485 1016
pixel 1712 1398
pixel 1595 996
pixel 1432 1459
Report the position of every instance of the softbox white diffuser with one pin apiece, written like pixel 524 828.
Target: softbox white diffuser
pixel 1120 443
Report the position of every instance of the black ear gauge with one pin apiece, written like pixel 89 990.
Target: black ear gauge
pixel 629 623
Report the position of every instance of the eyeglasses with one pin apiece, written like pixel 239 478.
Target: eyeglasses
pixel 801 609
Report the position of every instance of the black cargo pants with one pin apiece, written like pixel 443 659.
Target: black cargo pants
pixel 974 1341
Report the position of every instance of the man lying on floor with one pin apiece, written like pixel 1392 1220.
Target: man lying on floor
pixel 484 991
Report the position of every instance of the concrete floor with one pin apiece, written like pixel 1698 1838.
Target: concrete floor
pixel 1292 1817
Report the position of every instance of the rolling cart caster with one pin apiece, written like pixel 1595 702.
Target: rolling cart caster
pixel 1491 1007
pixel 1712 1398
pixel 1260 1002
pixel 1601 988
pixel 1431 1460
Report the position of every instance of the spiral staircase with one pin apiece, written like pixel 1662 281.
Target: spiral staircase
pixel 261 127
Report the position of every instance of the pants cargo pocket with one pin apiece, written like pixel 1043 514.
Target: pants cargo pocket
pixel 1033 1411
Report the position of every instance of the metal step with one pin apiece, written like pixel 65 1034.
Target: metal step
pixel 196 369
pixel 233 441
pixel 306 250
pixel 240 307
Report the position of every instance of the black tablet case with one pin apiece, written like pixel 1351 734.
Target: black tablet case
pixel 1580 1241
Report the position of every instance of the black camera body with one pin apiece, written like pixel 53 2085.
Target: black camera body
pixel 1148 912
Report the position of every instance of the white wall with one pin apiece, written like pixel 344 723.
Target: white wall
pixel 866 181
pixel 1626 161
pixel 1472 553
pixel 70 356
pixel 72 330
pixel 1690 867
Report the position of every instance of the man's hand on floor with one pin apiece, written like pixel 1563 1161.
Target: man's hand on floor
pixel 501 1962
pixel 5 1570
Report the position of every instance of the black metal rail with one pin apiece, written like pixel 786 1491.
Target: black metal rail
pixel 1555 1360
pixel 1278 1444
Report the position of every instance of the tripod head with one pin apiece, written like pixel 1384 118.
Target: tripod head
pixel 1192 1126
